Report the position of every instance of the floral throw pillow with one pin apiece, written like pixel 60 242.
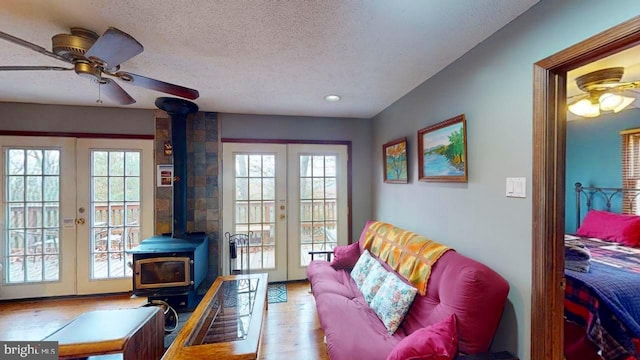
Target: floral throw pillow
pixel 392 301
pixel 362 267
pixel 373 282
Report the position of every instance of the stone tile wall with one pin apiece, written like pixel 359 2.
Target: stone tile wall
pixel 203 202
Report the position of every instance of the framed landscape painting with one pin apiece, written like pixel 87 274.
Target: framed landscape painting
pixel 442 151
pixel 394 159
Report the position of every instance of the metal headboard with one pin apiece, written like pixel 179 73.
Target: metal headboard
pixel 607 194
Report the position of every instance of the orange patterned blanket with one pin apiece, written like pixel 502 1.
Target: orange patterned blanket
pixel 408 253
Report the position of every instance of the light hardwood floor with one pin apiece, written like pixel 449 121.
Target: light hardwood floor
pixel 291 329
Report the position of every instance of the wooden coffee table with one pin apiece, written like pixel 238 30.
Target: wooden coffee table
pixel 135 333
pixel 227 324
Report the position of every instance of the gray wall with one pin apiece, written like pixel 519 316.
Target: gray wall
pixel 78 119
pixel 492 85
pixel 358 131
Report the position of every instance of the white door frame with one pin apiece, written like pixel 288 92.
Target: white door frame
pixel 290 212
pixel 280 198
pixel 295 271
pixel 74 193
pixel 87 285
pixel 66 284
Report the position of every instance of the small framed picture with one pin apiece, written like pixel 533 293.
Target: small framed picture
pixel 165 175
pixel 394 160
pixel 442 151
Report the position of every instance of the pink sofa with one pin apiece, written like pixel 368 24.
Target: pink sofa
pixel 458 284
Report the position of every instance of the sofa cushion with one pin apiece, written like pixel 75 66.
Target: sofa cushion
pixel 475 293
pixel 352 329
pixel 392 302
pixel 435 342
pixel 362 267
pixel 373 282
pixel 325 279
pixel 345 257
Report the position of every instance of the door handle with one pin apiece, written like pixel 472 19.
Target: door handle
pixel 282 216
pixel 80 221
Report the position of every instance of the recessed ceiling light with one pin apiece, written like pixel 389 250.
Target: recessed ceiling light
pixel 332 98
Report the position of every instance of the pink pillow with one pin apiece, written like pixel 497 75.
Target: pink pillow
pixel 345 256
pixel 435 342
pixel 623 229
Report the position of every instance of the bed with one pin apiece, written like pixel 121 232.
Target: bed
pixel 605 301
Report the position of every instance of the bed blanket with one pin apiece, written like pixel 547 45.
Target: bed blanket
pixel 615 280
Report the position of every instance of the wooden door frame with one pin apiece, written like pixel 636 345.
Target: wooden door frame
pixel 549 141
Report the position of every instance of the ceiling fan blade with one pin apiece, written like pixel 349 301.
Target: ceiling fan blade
pixel 153 84
pixel 576 98
pixel 113 48
pixel 21 68
pixel 114 92
pixel 32 46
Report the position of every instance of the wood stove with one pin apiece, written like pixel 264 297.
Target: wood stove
pixel 170 267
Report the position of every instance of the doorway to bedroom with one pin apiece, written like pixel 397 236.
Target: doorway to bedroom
pixel 602 173
pixel 550 166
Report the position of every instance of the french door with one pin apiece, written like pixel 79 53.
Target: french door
pixel 287 199
pixel 115 184
pixel 69 210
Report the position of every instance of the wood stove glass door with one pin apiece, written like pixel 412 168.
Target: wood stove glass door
pixel 115 199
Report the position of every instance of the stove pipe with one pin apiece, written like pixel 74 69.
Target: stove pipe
pixel 178 109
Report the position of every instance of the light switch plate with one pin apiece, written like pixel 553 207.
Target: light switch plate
pixel 516 187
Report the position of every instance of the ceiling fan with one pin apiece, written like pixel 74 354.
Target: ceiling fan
pixel 94 56
pixel 603 91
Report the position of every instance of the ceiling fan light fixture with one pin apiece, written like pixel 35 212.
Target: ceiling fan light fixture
pixel 609 101
pixel 585 108
pixel 626 101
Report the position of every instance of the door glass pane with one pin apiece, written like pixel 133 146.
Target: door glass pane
pixel 132 189
pixel 116 163
pixel 16 187
pixel 318 224
pixel 33 220
pixel 34 188
pixel 132 164
pixel 116 188
pixel 51 188
pixel 254 203
pixel 115 204
pixel 100 163
pixel 268 166
pixel 34 161
pixel 15 161
pixel 242 164
pixel 305 188
pixel 51 162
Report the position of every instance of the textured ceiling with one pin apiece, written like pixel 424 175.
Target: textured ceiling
pixel 257 57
